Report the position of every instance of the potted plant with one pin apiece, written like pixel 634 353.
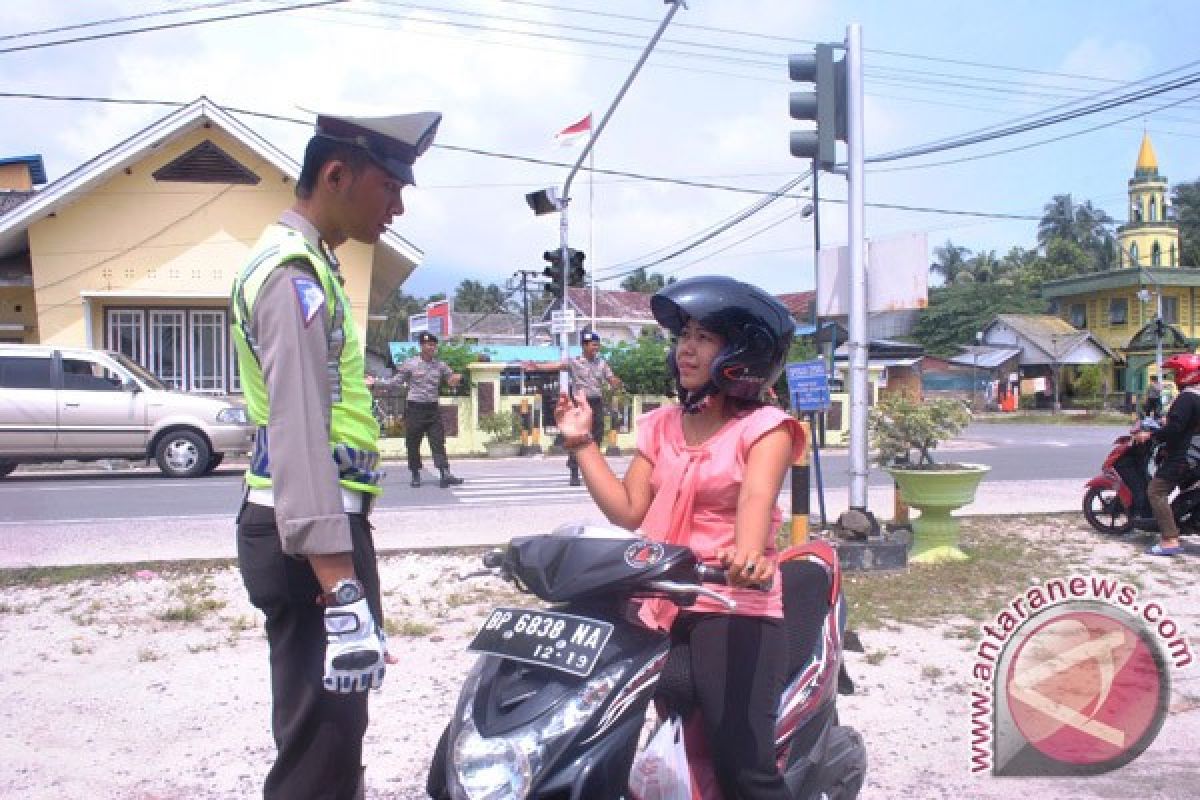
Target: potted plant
pixel 904 431
pixel 501 427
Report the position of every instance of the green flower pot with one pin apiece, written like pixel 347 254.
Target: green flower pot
pixel 936 493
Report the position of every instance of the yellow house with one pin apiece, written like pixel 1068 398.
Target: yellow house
pixel 1122 307
pixel 137 249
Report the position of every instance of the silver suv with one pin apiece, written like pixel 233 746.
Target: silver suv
pixel 60 403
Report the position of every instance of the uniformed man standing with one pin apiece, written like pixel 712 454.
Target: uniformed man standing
pixel 304 544
pixel 589 372
pixel 423 373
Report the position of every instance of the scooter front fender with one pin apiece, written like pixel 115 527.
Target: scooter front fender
pixel 1102 482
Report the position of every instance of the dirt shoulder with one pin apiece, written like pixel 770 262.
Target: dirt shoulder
pixel 152 684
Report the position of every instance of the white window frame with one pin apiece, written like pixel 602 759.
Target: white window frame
pixel 201 321
pixel 118 319
pixel 163 319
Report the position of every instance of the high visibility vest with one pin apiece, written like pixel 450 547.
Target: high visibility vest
pixel 353 431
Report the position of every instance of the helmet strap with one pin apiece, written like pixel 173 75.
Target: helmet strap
pixel 695 402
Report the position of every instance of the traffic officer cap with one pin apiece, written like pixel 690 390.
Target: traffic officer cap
pixel 589 336
pixel 394 143
pixel 426 336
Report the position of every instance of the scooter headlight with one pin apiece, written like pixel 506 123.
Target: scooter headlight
pixel 503 767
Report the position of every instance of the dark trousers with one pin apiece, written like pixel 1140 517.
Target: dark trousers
pixel 424 419
pixel 318 734
pixel 1159 493
pixel 598 412
pixel 738 668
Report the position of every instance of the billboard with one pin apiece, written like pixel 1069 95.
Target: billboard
pixel 897 276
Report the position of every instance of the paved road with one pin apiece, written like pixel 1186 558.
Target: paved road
pixel 93 516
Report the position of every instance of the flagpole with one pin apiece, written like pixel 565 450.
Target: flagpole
pixel 591 216
pixel 565 195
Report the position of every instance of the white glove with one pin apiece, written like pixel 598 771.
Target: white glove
pixel 354 649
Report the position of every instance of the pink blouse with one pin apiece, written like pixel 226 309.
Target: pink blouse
pixel 696 491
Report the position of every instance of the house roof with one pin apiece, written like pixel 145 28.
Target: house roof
pixel 800 304
pixel 610 304
pixel 15 222
pixel 984 356
pixel 37 169
pixel 1054 336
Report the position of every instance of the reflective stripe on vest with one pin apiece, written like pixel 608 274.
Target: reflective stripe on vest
pixel 354 433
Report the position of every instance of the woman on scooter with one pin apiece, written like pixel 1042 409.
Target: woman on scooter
pixel 707 473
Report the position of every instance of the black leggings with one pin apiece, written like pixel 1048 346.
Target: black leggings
pixel 738 665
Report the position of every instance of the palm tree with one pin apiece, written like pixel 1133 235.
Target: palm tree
pixel 1058 220
pixel 949 261
pixel 639 281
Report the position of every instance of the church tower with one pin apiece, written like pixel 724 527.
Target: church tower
pixel 1149 238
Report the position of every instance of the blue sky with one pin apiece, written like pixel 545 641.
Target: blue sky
pixel 710 106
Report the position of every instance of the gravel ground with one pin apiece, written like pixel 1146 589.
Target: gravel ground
pixel 153 685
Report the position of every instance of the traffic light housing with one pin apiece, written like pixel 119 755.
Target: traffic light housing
pixel 576 275
pixel 824 105
pixel 554 273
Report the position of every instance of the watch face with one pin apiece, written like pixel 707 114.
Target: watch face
pixel 347 592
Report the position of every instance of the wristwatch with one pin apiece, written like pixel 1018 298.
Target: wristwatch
pixel 343 593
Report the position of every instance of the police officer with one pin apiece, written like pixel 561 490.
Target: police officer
pixel 423 374
pixel 588 372
pixel 304 544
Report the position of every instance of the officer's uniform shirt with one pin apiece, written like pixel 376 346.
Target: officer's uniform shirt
pixel 423 378
pixel 590 375
pixel 294 347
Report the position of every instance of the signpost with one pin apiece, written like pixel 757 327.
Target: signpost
pixel 562 321
pixel 808 385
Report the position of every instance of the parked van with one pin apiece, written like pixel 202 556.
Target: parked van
pixel 60 403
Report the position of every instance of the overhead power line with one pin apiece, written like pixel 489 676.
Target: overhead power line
pixel 169 26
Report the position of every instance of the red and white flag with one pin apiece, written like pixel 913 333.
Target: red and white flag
pixel 575 132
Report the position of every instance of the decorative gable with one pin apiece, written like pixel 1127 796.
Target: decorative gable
pixel 206 163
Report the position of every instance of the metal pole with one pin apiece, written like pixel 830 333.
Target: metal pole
pixel 566 190
pixel 525 302
pixel 858 273
pixel 1158 324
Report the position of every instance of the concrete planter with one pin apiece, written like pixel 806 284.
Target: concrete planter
pixel 936 493
pixel 502 449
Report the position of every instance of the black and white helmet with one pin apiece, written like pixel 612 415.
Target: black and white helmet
pixel 756 327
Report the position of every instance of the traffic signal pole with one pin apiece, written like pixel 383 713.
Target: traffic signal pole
pixel 563 230
pixel 858 272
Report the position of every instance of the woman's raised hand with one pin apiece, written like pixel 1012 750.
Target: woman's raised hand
pixel 574 418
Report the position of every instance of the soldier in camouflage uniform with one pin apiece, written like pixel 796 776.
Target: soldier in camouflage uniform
pixel 423 374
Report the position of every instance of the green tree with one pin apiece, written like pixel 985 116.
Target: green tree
pixel 473 296
pixel 640 281
pixel 642 365
pixel 1084 225
pixel 1063 259
pixel 956 312
pixel 1185 197
pixel 949 261
pixel 397 310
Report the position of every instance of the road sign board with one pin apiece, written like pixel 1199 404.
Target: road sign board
pixel 562 321
pixel 808 385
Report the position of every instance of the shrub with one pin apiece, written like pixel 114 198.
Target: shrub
pixel 900 425
pixel 500 425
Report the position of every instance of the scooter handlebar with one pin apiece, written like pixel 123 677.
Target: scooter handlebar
pixel 706 573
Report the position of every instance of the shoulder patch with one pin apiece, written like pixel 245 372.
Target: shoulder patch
pixel 311 297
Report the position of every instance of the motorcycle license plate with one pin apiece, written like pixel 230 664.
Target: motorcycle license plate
pixel 559 641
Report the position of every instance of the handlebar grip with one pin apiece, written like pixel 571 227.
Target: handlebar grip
pixel 493 559
pixel 719 575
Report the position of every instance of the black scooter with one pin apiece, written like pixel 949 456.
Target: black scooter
pixel 556 707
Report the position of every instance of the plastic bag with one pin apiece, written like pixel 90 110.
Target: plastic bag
pixel 660 772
